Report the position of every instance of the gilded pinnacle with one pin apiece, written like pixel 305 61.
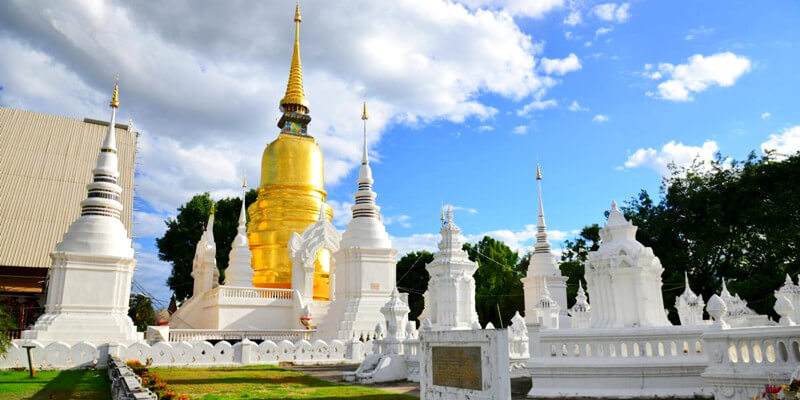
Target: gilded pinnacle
pixel 115 96
pixel 244 177
pixel 212 207
pixel 364 115
pixel 295 98
pixel 538 173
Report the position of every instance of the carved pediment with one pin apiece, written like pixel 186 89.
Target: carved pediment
pixel 321 234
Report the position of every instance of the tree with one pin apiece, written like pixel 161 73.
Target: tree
pixel 178 244
pixel 574 256
pixel 141 311
pixel 412 278
pixel 724 219
pixel 729 219
pixel 7 324
pixel 498 285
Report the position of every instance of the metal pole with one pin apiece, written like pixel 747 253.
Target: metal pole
pixel 30 360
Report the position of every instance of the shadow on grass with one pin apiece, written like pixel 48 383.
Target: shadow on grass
pixel 260 380
pixel 75 384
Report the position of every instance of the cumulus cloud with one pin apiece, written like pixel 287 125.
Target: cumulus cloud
pixel 574 106
pixel 613 12
pixel 520 130
pixel 526 8
pixel 560 66
pixel 783 144
pixel 602 31
pixel 402 220
pixel 573 18
pixel 149 224
pixel 202 91
pixel 485 128
pixel 600 118
pixel 698 74
pixel 537 105
pixel 765 115
pixel 678 154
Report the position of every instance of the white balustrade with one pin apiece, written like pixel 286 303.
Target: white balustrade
pixel 743 360
pixel 196 335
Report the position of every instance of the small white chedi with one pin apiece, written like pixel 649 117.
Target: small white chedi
pixel 89 280
pixel 623 278
pixel 450 299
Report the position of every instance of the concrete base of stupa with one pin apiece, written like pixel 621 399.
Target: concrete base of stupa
pixel 73 327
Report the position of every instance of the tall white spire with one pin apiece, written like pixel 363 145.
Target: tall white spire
pixel 240 272
pixel 104 192
pixel 542 244
pixel 365 206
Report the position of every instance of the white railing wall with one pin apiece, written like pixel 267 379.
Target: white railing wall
pixel 195 335
pixel 742 360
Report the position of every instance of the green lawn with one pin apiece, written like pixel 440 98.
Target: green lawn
pixel 62 385
pixel 263 382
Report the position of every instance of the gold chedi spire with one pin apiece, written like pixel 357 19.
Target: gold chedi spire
pixel 291 192
pixel 115 96
pixel 364 115
pixel 295 98
pixel 538 173
pixel 212 207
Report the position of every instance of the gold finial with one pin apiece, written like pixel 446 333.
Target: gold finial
pixel 538 173
pixel 115 97
pixel 364 115
pixel 212 207
pixel 441 209
pixel 244 178
pixel 295 98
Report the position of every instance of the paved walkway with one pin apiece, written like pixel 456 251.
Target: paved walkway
pixel 333 373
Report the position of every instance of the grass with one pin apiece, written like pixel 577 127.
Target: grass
pixel 263 382
pixel 62 385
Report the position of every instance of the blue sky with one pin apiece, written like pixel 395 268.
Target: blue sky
pixel 464 98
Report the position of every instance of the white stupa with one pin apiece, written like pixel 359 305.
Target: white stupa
pixel 624 279
pixel 690 306
pixel 365 264
pixel 451 289
pixel 89 280
pixel 239 272
pixel 543 270
pixel 204 265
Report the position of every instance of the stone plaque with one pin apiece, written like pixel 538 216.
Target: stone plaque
pixel 458 367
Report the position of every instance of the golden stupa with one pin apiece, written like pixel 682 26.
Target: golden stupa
pixel 291 191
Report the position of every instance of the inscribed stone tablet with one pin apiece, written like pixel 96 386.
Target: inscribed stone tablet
pixel 457 367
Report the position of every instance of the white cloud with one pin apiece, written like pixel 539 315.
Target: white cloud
pixel 600 118
pixel 416 242
pixel 402 220
pixel 520 241
pixel 784 144
pixel 149 224
pixel 699 31
pixel 342 214
pixel 577 107
pixel 765 115
pixel 520 130
pixel 602 31
pixel 613 12
pixel 526 8
pixel 151 275
pixel 561 66
pixel 203 91
pixel 485 128
pixel 676 153
pixel 573 18
pixel 537 105
pixel 698 74
pixel 587 44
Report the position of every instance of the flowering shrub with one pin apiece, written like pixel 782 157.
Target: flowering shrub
pixel 155 383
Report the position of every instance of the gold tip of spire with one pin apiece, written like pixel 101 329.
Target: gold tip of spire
pixel 442 216
pixel 212 207
pixel 244 178
pixel 538 173
pixel 364 115
pixel 295 98
pixel 115 97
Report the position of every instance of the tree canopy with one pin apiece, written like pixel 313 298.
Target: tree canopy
pixel 412 278
pixel 177 245
pixel 141 311
pixel 498 285
pixel 725 219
